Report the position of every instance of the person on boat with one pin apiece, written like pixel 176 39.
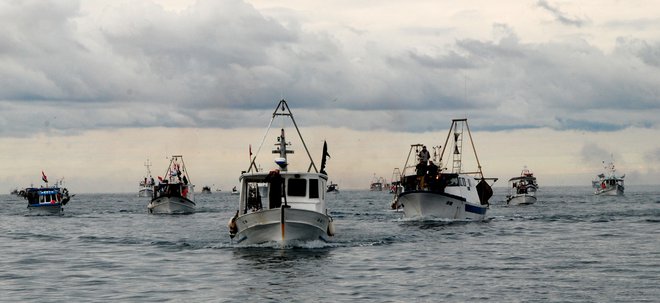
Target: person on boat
pixel 421 173
pixel 275 195
pixel 424 155
pixel 431 175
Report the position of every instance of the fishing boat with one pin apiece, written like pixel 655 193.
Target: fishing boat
pixel 608 183
pixel 395 180
pixel 444 192
pixel 48 200
pixel 376 184
pixel 234 191
pixel 174 194
pixel 332 188
pixel 146 187
pixel 522 189
pixel 294 208
pixel 206 190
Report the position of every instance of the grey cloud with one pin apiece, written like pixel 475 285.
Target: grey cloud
pixel 647 53
pixel 218 63
pixel 561 16
pixel 653 155
pixel 593 153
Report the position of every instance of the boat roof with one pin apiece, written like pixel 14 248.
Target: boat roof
pixel 261 176
pixel 43 190
pixel 522 178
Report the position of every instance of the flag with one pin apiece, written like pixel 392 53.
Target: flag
pixel 325 155
pixel 43 177
pixel 250 151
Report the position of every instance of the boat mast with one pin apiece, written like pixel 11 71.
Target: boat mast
pixel 285 111
pixel 147 164
pixel 457 131
pixel 285 107
pixel 280 148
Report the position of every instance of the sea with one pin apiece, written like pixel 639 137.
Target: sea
pixel 571 246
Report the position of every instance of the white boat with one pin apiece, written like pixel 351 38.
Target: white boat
pixel 376 184
pixel 234 191
pixel 294 207
pixel 395 181
pixel 175 194
pixel 48 200
pixel 332 188
pixel 608 183
pixel 146 187
pixel 522 189
pixel 444 192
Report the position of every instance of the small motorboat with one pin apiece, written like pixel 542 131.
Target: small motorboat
pixel 175 194
pixel 48 200
pixel 146 187
pixel 522 189
pixel 608 183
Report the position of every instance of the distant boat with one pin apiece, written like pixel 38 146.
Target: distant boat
pixel 430 192
pixel 332 188
pixel 294 208
pixel 395 181
pixel 234 191
pixel 175 194
pixel 206 190
pixel 608 183
pixel 146 187
pixel 48 200
pixel 522 189
pixel 376 184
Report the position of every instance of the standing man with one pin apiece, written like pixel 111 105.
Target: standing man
pixel 424 155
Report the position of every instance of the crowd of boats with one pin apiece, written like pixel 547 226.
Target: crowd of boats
pixel 283 205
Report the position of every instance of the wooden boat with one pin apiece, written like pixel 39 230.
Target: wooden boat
pixel 293 208
pixel 175 194
pixel 445 192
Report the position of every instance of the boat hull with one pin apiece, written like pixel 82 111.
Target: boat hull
pixel 145 192
pixel 423 204
pixel 171 205
pixel 610 191
pixel 282 225
pixel 521 199
pixel 45 209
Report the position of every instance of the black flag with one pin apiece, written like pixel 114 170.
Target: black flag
pixel 325 154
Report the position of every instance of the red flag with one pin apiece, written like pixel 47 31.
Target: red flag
pixel 43 177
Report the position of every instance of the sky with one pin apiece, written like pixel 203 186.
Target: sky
pixel 89 90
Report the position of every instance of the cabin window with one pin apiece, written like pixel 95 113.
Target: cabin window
pixel 297 188
pixel 462 182
pixel 313 188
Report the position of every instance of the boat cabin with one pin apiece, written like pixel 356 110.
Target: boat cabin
pixel 178 189
pixel 460 185
pixel 523 185
pixel 48 195
pixel 273 190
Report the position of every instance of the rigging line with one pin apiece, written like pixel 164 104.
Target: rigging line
pixel 262 143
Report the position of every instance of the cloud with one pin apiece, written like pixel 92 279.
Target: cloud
pixel 560 16
pixel 76 66
pixel 593 153
pixel 653 155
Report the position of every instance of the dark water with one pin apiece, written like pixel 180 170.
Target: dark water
pixel 569 247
